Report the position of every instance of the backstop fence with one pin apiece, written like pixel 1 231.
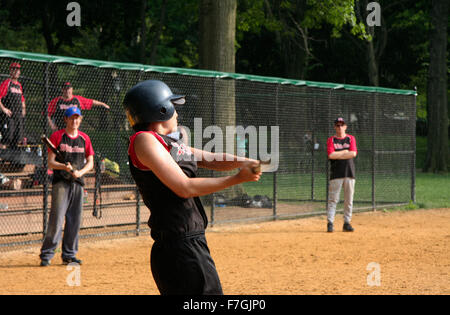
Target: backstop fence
pixel 290 119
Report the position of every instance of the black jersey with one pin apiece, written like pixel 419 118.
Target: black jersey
pixel 169 213
pixel 74 150
pixel 342 168
pixel 59 105
pixel 12 97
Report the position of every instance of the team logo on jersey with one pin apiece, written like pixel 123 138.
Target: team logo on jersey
pixel 67 148
pixel 181 148
pixel 15 90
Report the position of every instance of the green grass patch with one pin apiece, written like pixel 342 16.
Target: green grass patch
pixel 421 152
pixel 432 190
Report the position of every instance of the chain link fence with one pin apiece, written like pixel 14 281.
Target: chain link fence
pixel 291 119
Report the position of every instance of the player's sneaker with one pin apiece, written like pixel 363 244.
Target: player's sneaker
pixel 330 227
pixel 347 227
pixel 67 261
pixel 45 263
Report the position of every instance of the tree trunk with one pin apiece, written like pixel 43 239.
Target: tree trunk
pixel 437 154
pixel 372 62
pixel 217 52
pixel 143 31
pixel 217 35
pixel 158 32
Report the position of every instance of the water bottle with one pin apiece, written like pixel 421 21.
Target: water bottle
pixel 85 196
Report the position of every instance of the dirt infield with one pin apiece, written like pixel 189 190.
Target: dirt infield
pixel 289 257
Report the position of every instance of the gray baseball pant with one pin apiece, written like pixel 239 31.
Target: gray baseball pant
pixel 334 192
pixel 67 203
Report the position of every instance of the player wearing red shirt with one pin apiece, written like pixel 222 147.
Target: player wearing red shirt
pixel 67 191
pixel 12 108
pixel 58 105
pixel 341 149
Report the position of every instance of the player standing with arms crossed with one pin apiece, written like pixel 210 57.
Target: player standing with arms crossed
pixel 164 169
pixel 67 192
pixel 341 149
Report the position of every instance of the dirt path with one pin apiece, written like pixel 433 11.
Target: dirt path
pixel 289 257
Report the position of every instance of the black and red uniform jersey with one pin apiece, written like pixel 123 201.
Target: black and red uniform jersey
pixel 57 107
pixel 342 168
pixel 12 97
pixel 74 150
pixel 170 214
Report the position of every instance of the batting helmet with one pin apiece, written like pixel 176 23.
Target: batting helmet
pixel 150 101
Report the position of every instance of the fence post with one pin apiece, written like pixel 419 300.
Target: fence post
pixel 313 143
pixel 327 162
pixel 374 131
pixel 413 166
pixel 213 208
pixel 275 186
pixel 45 185
pixel 138 212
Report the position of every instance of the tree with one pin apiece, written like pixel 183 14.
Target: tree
pixel 217 52
pixel 286 29
pixel 437 105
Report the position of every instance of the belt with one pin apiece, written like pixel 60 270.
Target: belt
pixel 164 236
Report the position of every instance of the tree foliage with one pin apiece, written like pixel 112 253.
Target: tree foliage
pixel 319 40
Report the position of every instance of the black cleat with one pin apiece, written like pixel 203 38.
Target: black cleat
pixel 45 263
pixel 330 227
pixel 347 227
pixel 72 260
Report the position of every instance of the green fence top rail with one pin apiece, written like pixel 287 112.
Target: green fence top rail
pixel 193 72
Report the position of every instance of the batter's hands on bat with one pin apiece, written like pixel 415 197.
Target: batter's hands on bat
pixel 77 174
pixel 68 168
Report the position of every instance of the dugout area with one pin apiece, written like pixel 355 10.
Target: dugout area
pixel 381 119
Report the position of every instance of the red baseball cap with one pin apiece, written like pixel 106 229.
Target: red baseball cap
pixel 66 85
pixel 14 65
pixel 339 120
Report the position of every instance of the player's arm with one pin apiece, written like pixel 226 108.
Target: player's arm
pixel 24 107
pixel 342 155
pixel 55 165
pixel 5 110
pixel 153 155
pixel 3 92
pixel 51 123
pixel 87 103
pixel 220 161
pixel 100 104
pixel 89 166
pixel 338 155
pixel 51 109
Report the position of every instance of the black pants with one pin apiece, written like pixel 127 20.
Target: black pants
pixel 184 267
pixel 12 129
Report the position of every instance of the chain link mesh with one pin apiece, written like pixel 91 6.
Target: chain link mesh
pixel 299 117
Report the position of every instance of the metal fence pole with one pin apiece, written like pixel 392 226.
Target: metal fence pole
pixel 275 186
pixel 213 208
pixel 413 164
pixel 45 185
pixel 313 143
pixel 327 162
pixel 374 131
pixel 138 212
